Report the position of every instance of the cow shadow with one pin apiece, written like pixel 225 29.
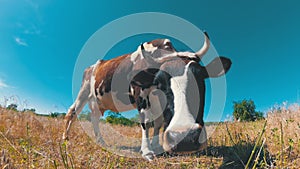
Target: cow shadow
pixel 238 155
pixel 235 156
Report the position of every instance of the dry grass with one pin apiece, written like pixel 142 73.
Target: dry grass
pixel 31 141
pixel 283 135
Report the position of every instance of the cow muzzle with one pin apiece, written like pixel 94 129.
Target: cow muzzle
pixel 184 141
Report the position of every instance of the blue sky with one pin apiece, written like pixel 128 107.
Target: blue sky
pixel 40 41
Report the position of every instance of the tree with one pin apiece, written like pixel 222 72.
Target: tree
pixel 12 107
pixel 245 111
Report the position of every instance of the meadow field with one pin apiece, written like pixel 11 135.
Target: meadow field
pixel 31 141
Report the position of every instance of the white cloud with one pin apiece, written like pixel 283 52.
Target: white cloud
pixel 3 84
pixel 20 41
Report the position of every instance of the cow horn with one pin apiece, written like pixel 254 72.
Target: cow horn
pixel 204 48
pixel 197 55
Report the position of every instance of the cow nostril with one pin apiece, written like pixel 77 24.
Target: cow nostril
pixel 195 134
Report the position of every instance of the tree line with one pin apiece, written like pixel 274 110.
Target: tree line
pixel 244 110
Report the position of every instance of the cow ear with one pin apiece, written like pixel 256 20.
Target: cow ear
pixel 218 67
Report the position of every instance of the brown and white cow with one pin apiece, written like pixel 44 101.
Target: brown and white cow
pixel 127 82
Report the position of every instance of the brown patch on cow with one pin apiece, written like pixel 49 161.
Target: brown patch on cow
pixel 111 78
pixel 105 71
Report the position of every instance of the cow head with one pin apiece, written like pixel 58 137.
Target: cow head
pixel 182 81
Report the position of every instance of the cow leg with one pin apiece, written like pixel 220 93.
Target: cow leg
pixel 146 149
pixel 155 141
pixel 158 103
pixel 95 118
pixel 76 107
pixel 143 106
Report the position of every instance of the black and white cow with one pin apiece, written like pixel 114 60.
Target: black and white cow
pixel 181 81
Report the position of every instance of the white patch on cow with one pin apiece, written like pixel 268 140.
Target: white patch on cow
pixel 187 54
pixel 147 113
pixel 92 86
pixel 182 118
pixel 166 41
pixel 146 147
pixel 135 55
pixel 132 92
pixel 93 80
pixel 149 47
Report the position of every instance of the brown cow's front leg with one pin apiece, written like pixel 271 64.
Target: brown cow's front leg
pixel 70 117
pixel 95 118
pixel 76 108
pixel 73 111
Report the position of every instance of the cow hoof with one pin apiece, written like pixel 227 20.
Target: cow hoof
pixel 101 142
pixel 65 138
pixel 158 149
pixel 149 156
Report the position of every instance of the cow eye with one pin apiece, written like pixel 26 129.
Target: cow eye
pixel 168 46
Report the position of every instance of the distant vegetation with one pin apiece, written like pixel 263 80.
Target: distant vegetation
pixel 117 118
pixel 112 118
pixel 245 111
pixel 14 107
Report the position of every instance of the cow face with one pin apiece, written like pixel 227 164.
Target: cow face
pixel 181 79
pixel 182 82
